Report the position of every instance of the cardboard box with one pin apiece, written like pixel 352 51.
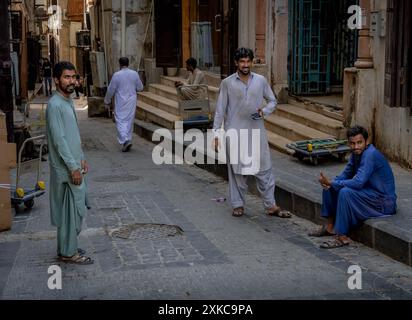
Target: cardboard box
pixel 3 124
pixel 3 135
pixel 8 155
pixel 6 217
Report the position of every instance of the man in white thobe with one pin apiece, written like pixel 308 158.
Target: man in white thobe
pixel 196 77
pixel 124 85
pixel 242 95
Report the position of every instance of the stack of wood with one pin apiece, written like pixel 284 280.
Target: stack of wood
pixel 7 162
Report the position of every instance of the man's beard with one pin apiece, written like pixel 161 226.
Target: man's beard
pixel 69 89
pixel 245 71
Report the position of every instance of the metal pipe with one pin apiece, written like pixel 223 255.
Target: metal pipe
pixel 123 30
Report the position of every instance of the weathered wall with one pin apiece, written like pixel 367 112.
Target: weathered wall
pixel 391 127
pixel 138 32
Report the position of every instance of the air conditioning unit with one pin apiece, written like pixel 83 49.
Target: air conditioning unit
pixel 98 64
pixel 83 38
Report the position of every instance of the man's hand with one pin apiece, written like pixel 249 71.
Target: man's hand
pixel 85 167
pixel 216 144
pixel 178 84
pixel 76 176
pixel 260 111
pixel 324 181
pixel 106 106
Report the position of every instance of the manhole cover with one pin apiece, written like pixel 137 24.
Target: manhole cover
pixel 146 231
pixel 113 178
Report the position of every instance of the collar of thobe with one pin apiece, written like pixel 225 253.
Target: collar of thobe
pixel 67 99
pixel 248 80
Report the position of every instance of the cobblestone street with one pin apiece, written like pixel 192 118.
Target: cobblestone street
pixel 179 243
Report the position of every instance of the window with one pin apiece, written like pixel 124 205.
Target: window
pixel 398 64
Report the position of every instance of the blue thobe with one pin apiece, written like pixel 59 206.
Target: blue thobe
pixel 364 190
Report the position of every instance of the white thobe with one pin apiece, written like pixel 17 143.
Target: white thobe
pixel 124 85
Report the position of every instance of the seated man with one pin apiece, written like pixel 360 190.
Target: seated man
pixel 364 190
pixel 196 77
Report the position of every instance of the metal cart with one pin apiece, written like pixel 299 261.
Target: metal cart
pixel 318 148
pixel 18 194
pixel 196 113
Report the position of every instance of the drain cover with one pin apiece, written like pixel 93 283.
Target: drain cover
pixel 146 231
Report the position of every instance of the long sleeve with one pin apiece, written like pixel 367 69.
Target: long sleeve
pixel 349 170
pixel 221 107
pixel 139 84
pixel 111 90
pixel 271 100
pixel 362 176
pixel 58 138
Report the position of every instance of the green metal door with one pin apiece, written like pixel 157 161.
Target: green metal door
pixel 320 45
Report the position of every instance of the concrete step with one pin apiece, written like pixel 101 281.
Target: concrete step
pixel 170 82
pixel 278 142
pixel 318 108
pixel 163 91
pixel 292 130
pixel 159 102
pixel 150 113
pixel 312 119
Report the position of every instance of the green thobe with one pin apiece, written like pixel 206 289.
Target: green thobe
pixel 67 201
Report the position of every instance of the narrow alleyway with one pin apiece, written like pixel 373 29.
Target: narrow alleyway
pixel 213 256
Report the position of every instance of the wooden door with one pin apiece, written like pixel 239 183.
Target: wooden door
pixel 168 22
pixel 229 37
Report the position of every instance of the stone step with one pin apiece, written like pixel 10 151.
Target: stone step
pixel 170 82
pixel 292 130
pixel 278 142
pixel 159 102
pixel 318 108
pixel 150 113
pixel 163 91
pixel 311 119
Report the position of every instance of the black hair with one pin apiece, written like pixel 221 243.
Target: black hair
pixel 124 61
pixel 60 67
pixel 192 62
pixel 354 131
pixel 243 53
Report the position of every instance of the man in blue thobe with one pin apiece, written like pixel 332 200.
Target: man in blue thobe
pixel 364 190
pixel 67 166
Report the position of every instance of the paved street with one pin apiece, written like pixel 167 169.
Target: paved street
pixel 184 245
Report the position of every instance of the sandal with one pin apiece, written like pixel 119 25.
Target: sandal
pixel 76 259
pixel 238 212
pixel 79 251
pixel 278 213
pixel 334 243
pixel 322 232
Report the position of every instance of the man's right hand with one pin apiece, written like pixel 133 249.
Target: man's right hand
pixel 216 144
pixel 76 176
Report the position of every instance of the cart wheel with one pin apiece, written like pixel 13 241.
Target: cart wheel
pixel 45 149
pixel 314 161
pixel 17 207
pixel 29 203
pixel 300 157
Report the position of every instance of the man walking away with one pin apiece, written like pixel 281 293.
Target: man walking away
pixel 47 77
pixel 124 85
pixel 67 167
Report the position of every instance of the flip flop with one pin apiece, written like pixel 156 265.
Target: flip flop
pixel 322 232
pixel 79 251
pixel 76 259
pixel 238 212
pixel 279 213
pixel 332 244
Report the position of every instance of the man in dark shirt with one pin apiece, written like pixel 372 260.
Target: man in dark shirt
pixel 47 77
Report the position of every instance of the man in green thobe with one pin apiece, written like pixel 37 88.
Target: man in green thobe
pixel 67 166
